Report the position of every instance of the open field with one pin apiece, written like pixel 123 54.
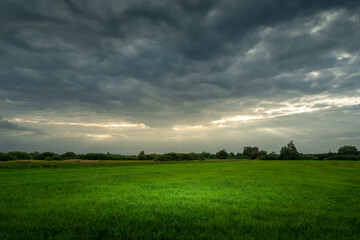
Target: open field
pixel 199 200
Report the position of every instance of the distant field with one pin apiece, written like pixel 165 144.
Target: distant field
pixel 199 200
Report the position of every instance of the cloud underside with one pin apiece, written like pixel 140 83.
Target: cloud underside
pixel 125 69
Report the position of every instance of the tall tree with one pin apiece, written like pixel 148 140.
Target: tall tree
pixel 289 152
pixel 142 156
pixel 222 154
pixel 348 150
pixel 251 152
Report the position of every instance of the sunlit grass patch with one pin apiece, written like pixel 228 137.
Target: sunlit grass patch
pixel 205 200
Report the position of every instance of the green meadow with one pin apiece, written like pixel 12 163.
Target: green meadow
pixel 182 200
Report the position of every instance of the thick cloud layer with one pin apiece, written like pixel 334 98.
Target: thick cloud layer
pixel 72 69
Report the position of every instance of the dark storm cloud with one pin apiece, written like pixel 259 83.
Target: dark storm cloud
pixel 167 62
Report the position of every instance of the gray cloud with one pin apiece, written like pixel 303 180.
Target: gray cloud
pixel 172 63
pixel 7 125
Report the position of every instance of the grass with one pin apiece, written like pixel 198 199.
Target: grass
pixel 202 200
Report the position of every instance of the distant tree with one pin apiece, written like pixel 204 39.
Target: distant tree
pixel 262 153
pixel 69 155
pixel 172 156
pixel 289 152
pixel 321 156
pixel 20 155
pixel 57 158
pixel 151 156
pixel 222 154
pixel 96 156
pixel 6 157
pixel 270 156
pixel 239 156
pixel 44 155
pixel 348 150
pixel 161 157
pixel 292 145
pixel 178 156
pixel 34 155
pixel 206 155
pixel 142 156
pixel 330 154
pixel 231 155
pixel 255 155
pixel 3 157
pixel 251 152
pixel 344 157
pixel 308 157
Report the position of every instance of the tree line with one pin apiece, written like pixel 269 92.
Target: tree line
pixel 49 156
pixel 288 152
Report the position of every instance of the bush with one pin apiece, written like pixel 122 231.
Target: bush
pixel 57 158
pixel 161 157
pixel 178 156
pixel 207 155
pixel 240 156
pixel 320 156
pixel 69 155
pixel 260 154
pixel 34 155
pixel 270 156
pixel 6 157
pixel 350 157
pixel 20 155
pixel 44 155
pixel 95 156
pixel 151 156
pixel 112 157
pixel 307 157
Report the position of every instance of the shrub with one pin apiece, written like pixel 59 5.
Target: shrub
pixel 240 156
pixel 44 155
pixel 57 158
pixel 344 157
pixel 206 155
pixel 6 157
pixel 178 156
pixel 270 156
pixel 95 156
pixel 161 157
pixel 259 154
pixel 20 155
pixel 151 156
pixel 69 155
pixel 307 157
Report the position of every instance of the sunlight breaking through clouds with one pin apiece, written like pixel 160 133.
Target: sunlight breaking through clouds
pixel 99 136
pixel 142 75
pixel 237 118
pixel 296 106
pixel 81 124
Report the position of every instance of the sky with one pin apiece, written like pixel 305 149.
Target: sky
pixel 182 76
